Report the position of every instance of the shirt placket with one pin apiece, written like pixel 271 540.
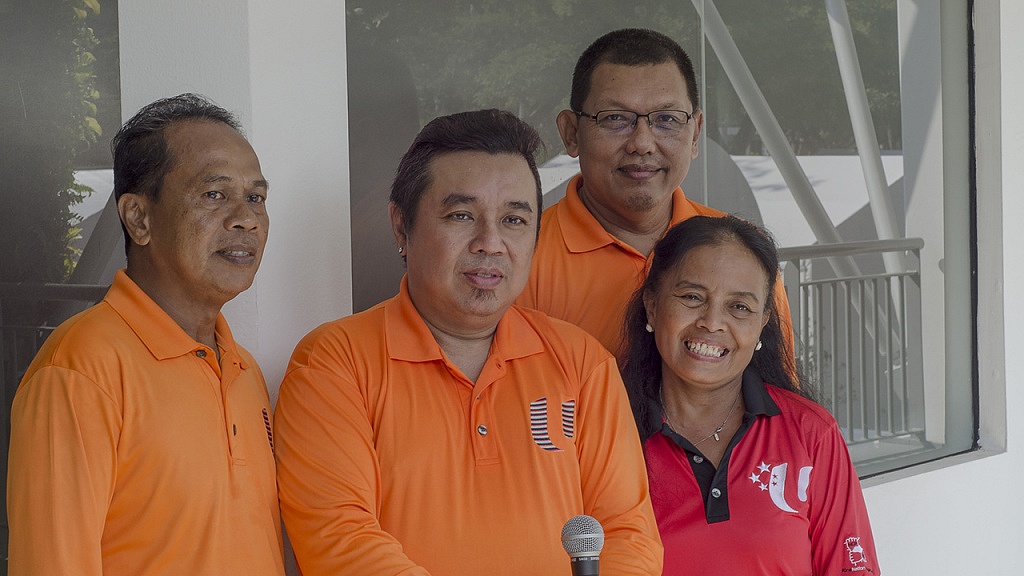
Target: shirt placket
pixel 482 415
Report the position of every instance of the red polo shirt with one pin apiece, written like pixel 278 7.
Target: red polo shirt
pixel 785 498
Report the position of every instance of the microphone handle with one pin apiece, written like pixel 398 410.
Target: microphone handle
pixel 585 566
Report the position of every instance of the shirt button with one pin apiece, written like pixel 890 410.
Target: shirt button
pixel 481 430
pixel 715 492
pixel 698 458
pixel 201 353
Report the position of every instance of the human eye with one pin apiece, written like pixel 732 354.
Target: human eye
pixel 256 198
pixel 213 194
pixel 460 216
pixel 669 120
pixel 615 119
pixel 742 309
pixel 516 220
pixel 691 299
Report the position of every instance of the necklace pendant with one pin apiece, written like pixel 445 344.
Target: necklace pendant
pixel 716 436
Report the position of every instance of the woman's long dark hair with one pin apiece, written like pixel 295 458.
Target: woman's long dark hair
pixel 640 361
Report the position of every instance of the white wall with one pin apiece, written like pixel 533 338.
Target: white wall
pixel 283 69
pixel 965 516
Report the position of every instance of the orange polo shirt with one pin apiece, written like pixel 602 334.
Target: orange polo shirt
pixel 134 452
pixel 586 276
pixel 390 461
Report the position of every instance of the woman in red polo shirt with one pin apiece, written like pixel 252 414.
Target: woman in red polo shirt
pixel 747 475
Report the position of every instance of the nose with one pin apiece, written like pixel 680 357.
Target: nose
pixel 711 318
pixel 487 239
pixel 641 139
pixel 243 214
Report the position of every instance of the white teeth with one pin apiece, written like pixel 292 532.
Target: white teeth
pixel 236 254
pixel 705 349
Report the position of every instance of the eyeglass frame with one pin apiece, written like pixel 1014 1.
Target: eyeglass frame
pixel 632 126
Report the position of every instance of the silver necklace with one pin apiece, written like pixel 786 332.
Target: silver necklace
pixel 735 403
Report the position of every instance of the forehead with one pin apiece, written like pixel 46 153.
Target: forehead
pixel 197 147
pixel 647 86
pixel 483 177
pixel 729 266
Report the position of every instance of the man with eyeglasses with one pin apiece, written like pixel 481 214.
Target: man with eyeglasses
pixel 634 125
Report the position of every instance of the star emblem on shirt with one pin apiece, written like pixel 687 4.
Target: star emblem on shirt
pixel 755 476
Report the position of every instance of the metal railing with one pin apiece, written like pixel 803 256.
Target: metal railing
pixel 859 340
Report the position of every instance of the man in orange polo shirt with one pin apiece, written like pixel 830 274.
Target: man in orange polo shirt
pixel 141 433
pixel 445 431
pixel 634 124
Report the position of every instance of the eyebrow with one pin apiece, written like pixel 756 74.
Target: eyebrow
pixel 221 178
pixel 688 284
pixel 455 199
pixel 617 105
pixel 520 205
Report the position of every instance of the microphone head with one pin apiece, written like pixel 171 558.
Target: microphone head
pixel 582 536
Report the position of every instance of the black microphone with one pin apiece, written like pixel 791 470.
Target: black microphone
pixel 582 539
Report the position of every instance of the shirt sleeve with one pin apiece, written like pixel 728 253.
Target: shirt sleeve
pixel 841 540
pixel 615 489
pixel 329 478
pixel 63 457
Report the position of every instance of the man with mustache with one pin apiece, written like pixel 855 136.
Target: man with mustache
pixel 141 433
pixel 634 123
pixel 446 431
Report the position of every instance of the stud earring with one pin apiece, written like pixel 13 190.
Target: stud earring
pixel 758 347
pixel 401 249
pixel 649 328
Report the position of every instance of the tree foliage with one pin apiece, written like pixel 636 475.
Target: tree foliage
pixel 48 114
pixel 519 56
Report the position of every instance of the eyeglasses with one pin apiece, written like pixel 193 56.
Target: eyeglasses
pixel 666 122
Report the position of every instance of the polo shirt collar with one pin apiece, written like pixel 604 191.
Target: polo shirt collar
pixel 755 395
pixel 409 339
pixel 154 327
pixel 581 232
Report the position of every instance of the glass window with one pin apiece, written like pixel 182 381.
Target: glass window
pixel 59 106
pixel 808 131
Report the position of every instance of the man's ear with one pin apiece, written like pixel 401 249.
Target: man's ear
pixel 568 124
pixel 398 227
pixel 134 211
pixel 698 120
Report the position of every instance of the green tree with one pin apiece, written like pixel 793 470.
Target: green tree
pixel 519 56
pixel 48 115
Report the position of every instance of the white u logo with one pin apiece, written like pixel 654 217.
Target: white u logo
pixel 777 486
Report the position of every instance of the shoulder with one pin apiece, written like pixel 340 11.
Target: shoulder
pixel 683 204
pixel 703 210
pixel 552 327
pixel 341 336
pixel 93 338
pixel 808 414
pixel 92 350
pixel 566 341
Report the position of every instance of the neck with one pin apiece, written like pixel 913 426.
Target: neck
pixel 639 229
pixel 699 412
pixel 467 351
pixel 197 319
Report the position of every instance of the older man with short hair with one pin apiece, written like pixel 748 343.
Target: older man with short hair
pixel 141 433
